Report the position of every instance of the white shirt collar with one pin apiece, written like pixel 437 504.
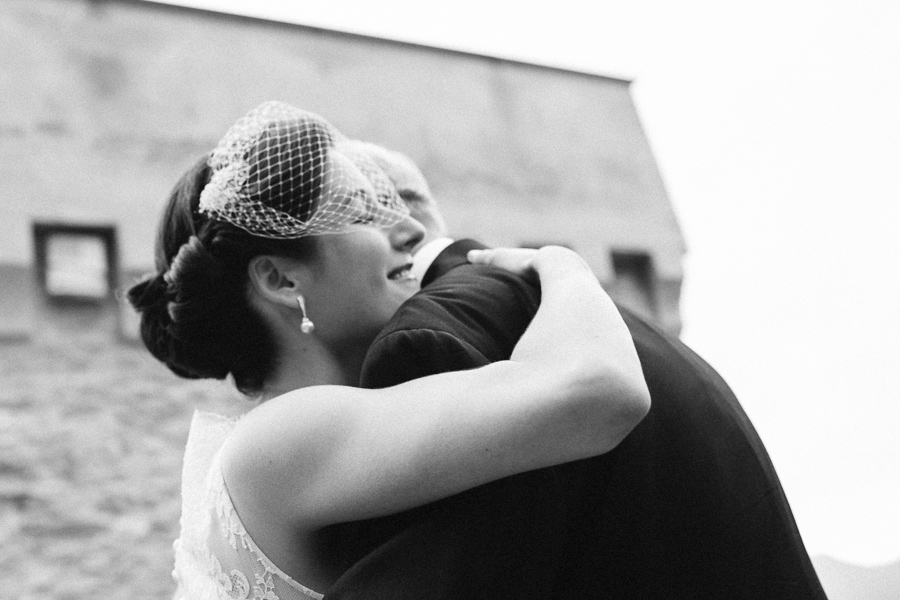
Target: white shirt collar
pixel 426 255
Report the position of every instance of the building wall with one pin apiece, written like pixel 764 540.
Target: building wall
pixel 105 103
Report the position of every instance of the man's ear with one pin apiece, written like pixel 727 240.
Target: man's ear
pixel 277 279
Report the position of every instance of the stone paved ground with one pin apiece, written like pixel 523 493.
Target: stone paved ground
pixel 91 442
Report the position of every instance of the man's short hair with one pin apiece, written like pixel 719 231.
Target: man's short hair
pixel 411 185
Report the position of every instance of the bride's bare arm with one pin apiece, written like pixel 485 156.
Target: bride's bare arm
pixel 573 388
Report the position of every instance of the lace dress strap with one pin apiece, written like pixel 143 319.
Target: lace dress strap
pixel 215 557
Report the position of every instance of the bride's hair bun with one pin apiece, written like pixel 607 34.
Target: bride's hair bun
pixel 172 306
pixel 195 316
pixel 149 292
pixel 192 275
pixel 150 298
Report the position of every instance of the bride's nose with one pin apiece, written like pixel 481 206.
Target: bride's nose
pixel 405 234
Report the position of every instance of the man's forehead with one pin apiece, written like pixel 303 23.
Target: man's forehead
pixel 408 180
pixel 406 175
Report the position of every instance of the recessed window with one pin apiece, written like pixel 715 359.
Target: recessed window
pixel 76 262
pixel 633 284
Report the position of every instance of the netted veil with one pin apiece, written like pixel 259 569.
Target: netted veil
pixel 282 172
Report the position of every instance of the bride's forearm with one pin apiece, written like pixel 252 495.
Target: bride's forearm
pixel 578 331
pixel 576 318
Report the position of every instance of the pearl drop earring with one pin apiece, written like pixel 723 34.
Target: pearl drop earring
pixel 306 325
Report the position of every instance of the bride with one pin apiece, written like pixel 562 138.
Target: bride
pixel 278 260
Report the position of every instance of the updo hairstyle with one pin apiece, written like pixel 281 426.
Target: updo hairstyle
pixel 195 312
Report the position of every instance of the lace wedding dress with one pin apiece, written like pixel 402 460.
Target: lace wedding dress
pixel 215 558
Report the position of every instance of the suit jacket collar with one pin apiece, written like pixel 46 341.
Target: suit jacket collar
pixel 424 256
pixel 453 256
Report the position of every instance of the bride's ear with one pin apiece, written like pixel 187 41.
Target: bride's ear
pixel 277 279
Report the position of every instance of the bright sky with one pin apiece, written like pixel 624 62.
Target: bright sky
pixel 776 125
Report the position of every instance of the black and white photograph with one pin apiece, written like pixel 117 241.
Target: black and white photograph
pixel 397 300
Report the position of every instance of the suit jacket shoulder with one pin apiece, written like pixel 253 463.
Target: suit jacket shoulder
pixel 469 317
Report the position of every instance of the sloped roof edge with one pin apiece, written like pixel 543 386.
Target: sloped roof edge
pixel 337 32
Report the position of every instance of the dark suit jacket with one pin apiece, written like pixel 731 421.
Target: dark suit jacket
pixel 688 506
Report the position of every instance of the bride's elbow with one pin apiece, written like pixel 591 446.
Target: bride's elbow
pixel 615 402
pixel 635 402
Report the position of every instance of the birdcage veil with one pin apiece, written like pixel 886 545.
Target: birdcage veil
pixel 282 172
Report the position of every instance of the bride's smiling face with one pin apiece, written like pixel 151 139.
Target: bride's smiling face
pixel 361 276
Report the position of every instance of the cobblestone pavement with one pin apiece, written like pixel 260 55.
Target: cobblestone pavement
pixel 91 442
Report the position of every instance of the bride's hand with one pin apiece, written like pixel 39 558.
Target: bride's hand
pixel 527 261
pixel 517 260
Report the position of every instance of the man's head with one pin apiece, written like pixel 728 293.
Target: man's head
pixel 411 186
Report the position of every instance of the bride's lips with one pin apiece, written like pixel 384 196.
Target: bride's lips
pixel 401 273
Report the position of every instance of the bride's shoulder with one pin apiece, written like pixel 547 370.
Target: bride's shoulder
pixel 302 407
pixel 284 445
pixel 294 425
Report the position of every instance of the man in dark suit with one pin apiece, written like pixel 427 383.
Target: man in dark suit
pixel 688 506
